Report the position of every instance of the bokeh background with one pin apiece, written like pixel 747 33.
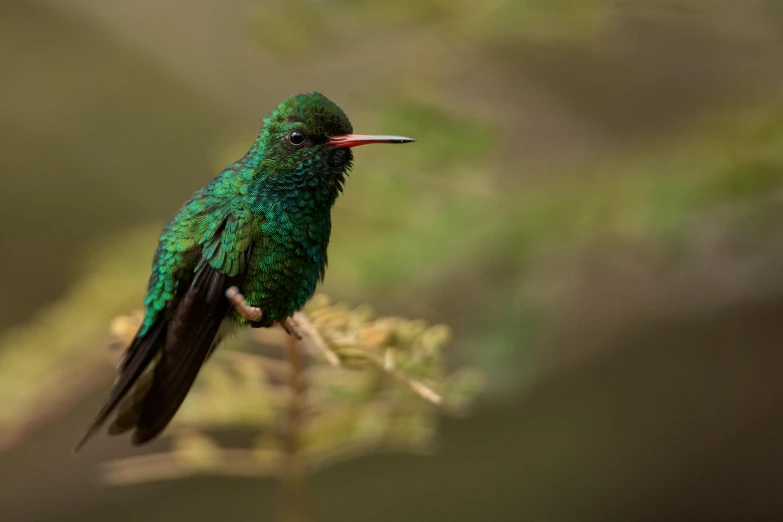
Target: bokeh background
pixel 593 205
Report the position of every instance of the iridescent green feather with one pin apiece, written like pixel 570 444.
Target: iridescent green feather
pixel 261 225
pixel 265 220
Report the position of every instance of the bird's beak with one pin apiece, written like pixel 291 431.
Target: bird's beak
pixel 354 140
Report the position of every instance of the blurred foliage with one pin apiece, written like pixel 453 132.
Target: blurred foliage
pixel 43 365
pixel 416 237
pixel 295 28
pixel 421 235
pixel 556 140
pixel 369 384
pixel 459 216
pixel 453 228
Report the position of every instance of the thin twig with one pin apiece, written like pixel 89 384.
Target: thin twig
pixel 242 462
pixel 311 333
pixel 170 466
pixel 418 387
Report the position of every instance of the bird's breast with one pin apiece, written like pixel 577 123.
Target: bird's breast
pixel 288 260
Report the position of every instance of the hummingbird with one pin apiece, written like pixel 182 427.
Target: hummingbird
pixel 247 249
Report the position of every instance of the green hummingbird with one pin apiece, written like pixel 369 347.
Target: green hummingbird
pixel 249 248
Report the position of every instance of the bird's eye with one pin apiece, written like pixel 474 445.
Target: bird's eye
pixel 296 138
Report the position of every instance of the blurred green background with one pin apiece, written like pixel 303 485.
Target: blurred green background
pixel 593 205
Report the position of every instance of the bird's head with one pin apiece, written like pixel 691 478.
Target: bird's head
pixel 309 131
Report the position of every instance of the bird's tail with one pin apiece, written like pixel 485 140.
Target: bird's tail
pixel 146 395
pixel 137 359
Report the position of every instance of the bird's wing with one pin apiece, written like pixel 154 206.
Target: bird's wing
pixel 193 267
pixel 190 335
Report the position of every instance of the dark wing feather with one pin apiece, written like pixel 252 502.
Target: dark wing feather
pixel 129 410
pixel 138 356
pixel 147 395
pixel 190 337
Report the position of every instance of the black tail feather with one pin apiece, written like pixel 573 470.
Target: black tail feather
pixel 138 356
pixel 129 409
pixel 189 340
pixel 183 343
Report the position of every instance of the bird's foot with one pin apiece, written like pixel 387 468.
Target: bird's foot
pixel 251 313
pixel 290 326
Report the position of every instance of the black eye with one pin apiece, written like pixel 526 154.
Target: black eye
pixel 296 138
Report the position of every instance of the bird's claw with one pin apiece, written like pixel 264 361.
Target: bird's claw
pixel 290 326
pixel 254 314
pixel 251 313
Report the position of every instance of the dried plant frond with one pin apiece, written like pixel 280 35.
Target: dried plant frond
pixel 366 384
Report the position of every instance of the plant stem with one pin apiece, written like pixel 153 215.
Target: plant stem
pixel 296 508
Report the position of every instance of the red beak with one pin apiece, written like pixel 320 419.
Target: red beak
pixel 354 140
